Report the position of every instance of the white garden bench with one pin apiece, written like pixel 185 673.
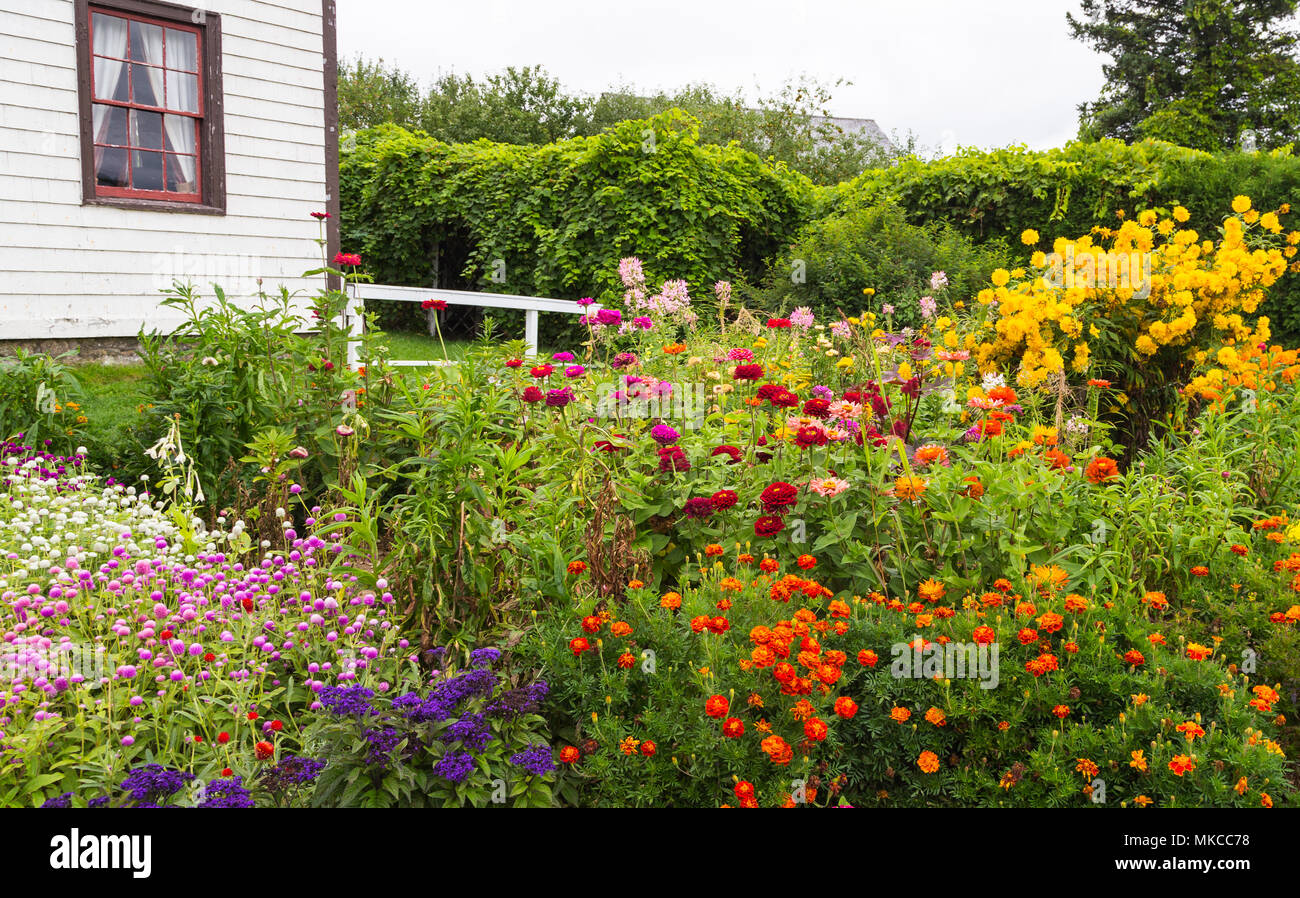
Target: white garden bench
pixel 530 304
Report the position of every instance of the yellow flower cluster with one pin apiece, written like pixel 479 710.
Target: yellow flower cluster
pixel 1244 361
pixel 1150 282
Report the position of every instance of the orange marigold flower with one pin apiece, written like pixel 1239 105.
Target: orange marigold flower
pixel 931 590
pixel 1200 570
pixel 769 565
pixel 621 628
pixel 1086 767
pixel 1142 801
pixel 569 755
pixel 1181 764
pixel 777 750
pixel 716 706
pixel 591 624
pixel 806 562
pixel 733 728
pixel 1061 711
pixel 1198 652
pixel 815 729
pixel 1134 657
pixel 626 660
pixel 648 748
pixel 1139 761
pixel 672 601
pixel 577 567
pixel 901 715
pixel 936 717
pixel 629 745
pixel 845 707
pixel 713 549
pixel 578 645
pixel 1190 730
pixel 867 658
pixel 928 762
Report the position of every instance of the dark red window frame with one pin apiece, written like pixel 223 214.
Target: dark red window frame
pixel 209 179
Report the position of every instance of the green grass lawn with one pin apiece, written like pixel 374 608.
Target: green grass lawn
pixel 111 402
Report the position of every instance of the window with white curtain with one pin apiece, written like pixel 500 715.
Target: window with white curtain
pixel 146 103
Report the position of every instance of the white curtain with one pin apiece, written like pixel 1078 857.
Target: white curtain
pixel 182 58
pixel 147 46
pixel 110 40
pixel 180 138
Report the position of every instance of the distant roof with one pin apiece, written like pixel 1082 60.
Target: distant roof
pixel 865 126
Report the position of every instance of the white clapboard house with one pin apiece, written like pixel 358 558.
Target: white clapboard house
pixel 143 141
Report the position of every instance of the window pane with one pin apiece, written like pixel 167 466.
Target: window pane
pixel 180 133
pixel 146 129
pixel 146 170
pixel 146 42
pixel 181 174
pixel 146 85
pixel 110 79
pixel 110 124
pixel 109 35
pixel 182 50
pixel 110 167
pixel 182 91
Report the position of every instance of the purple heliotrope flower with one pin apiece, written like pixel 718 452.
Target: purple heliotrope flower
pixel 454 766
pixel 536 759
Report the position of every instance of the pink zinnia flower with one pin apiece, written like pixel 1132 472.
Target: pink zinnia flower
pixel 828 487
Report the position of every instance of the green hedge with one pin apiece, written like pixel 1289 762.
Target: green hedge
pixel 560 216
pixel 995 195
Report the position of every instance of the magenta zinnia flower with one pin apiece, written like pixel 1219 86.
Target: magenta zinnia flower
pixel 664 435
pixel 698 508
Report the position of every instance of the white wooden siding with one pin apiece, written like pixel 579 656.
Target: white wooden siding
pixel 70 270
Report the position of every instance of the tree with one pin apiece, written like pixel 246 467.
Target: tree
pixel 1201 73
pixel 527 106
pixel 371 93
pixel 519 105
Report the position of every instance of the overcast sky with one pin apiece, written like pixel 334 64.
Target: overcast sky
pixel 981 73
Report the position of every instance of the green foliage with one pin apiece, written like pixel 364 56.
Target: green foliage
pixel 559 217
pixel 1200 74
pixel 528 106
pixel 35 391
pixel 833 258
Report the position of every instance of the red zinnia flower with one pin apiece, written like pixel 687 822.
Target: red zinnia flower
pixel 437 305
pixel 769 525
pixel 778 495
pixel 723 499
